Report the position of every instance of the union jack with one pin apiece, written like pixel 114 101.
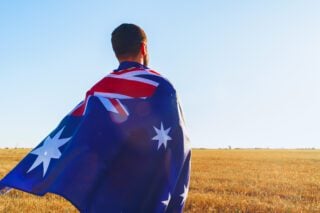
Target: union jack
pixel 110 90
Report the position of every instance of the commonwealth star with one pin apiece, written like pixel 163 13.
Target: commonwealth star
pixel 49 150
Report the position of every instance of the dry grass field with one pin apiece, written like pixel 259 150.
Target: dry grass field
pixel 221 181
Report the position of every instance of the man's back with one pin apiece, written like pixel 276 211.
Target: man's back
pixel 124 148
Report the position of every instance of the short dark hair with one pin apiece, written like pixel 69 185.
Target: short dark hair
pixel 126 40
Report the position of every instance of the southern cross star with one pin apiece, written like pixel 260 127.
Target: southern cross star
pixel 48 150
pixel 166 202
pixel 184 195
pixel 162 136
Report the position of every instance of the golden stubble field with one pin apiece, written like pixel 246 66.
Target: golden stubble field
pixel 221 181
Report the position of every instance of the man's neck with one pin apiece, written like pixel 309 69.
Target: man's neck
pixel 132 59
pixel 130 64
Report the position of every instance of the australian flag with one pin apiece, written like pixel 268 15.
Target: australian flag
pixel 124 148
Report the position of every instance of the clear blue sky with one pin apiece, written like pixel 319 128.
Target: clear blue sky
pixel 247 72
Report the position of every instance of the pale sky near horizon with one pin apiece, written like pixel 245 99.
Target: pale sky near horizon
pixel 247 72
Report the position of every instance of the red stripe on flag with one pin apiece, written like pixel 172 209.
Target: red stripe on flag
pixel 118 106
pixel 134 69
pixel 79 111
pixel 126 71
pixel 126 87
pixel 154 72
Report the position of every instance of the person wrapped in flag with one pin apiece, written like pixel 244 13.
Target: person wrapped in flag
pixel 124 148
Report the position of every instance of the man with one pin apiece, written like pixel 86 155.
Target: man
pixel 122 149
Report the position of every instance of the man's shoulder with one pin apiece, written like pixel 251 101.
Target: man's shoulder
pixel 134 83
pixel 165 86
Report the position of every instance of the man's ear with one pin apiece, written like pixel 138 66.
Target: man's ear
pixel 143 48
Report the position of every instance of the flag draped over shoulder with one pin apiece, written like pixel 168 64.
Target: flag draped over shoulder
pixel 122 149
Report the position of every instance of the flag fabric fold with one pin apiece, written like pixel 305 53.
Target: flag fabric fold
pixel 124 148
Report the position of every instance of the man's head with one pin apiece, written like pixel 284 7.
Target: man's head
pixel 129 43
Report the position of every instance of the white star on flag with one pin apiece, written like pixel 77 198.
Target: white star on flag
pixel 166 202
pixel 49 150
pixel 184 195
pixel 162 136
